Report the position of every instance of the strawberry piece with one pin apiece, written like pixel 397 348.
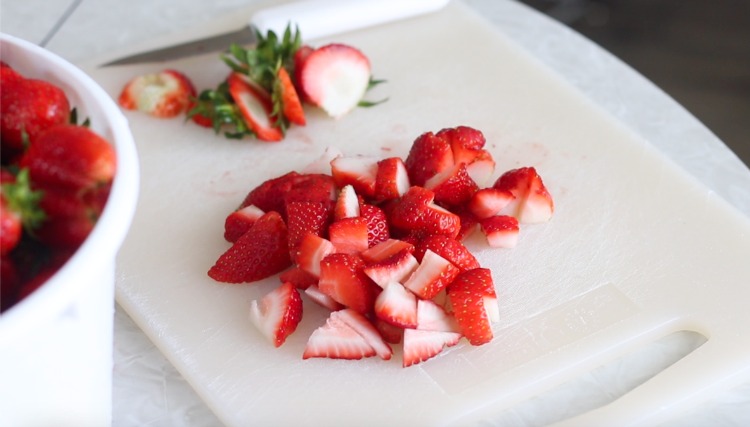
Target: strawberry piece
pixel 298 277
pixel 165 94
pixel 481 168
pixel 269 195
pixel 420 345
pixel 432 276
pixel 312 188
pixel 433 317
pixel 347 204
pixel 532 202
pixel 359 323
pixel 386 249
pixel 450 249
pixel 314 293
pixel 291 104
pixel 357 171
pixel 342 278
pixel 391 333
pixel 377 224
pixel 489 201
pixel 501 231
pixel 469 222
pixel 306 218
pixel 300 56
pixel 453 186
pixel 311 251
pixel 337 340
pixel 335 78
pixel 397 306
pixel 416 212
pixel 396 268
pixel 277 314
pixel 464 141
pixel 259 253
pixel 256 108
pixel 474 302
pixel 239 221
pixel 391 179
pixel 428 156
pixel 349 235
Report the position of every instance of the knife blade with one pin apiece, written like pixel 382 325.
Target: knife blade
pixel 313 18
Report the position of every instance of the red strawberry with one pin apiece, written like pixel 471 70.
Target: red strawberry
pixel 396 268
pixel 359 323
pixel 313 292
pixel 29 106
pixel 420 345
pixel 69 218
pixel 349 235
pixel 416 212
pixel 377 224
pixel 10 226
pixel 342 278
pixel 259 253
pixel 298 277
pixel 386 249
pixel 450 249
pixel 469 222
pixel 357 171
pixel 489 201
pixel 335 78
pixel 397 306
pixel 453 186
pixel 277 314
pixel 532 202
pixel 501 231
pixel 347 204
pixel 165 94
pixel 306 218
pixel 292 106
pixel 269 195
pixel 256 108
pixel 299 59
pixel 463 139
pixel 428 156
pixel 19 209
pixel 311 251
pixel 239 221
pixel 390 333
pixel 337 340
pixel 391 179
pixel 432 317
pixel 472 297
pixel 313 187
pixel 481 168
pixel 432 276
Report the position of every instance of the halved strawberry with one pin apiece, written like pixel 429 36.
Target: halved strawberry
pixel 362 325
pixel 342 278
pixel 501 231
pixel 239 221
pixel 474 303
pixel 357 171
pixel 259 253
pixel 277 314
pixel 391 180
pixel 314 293
pixel 298 277
pixel 397 306
pixel 291 104
pixel 433 317
pixel 311 251
pixel 164 94
pixel 420 345
pixel 396 268
pixel 487 202
pixel 255 106
pixel 432 276
pixel 377 224
pixel 349 235
pixel 532 203
pixel 452 186
pixel 337 340
pixel 335 78
pixel 428 156
pixel 386 249
pixel 347 203
pixel 450 249
pixel 306 218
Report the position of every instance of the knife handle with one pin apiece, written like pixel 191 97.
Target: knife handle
pixel 321 18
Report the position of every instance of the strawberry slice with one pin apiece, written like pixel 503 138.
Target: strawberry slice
pixel 421 345
pixel 239 221
pixel 337 340
pixel 165 94
pixel 357 171
pixel 450 249
pixel 347 203
pixel 314 293
pixel 298 277
pixel 311 251
pixel 429 155
pixel 432 276
pixel 300 56
pixel 342 278
pixel 433 317
pixel 396 268
pixel 386 249
pixel 291 104
pixel 501 231
pixel 391 179
pixel 335 78
pixel 377 224
pixel 453 186
pixel 489 201
pixel 306 218
pixel 255 106
pixel 349 235
pixel 259 253
pixel 474 303
pixel 277 314
pixel 532 203
pixel 397 306
pixel 359 323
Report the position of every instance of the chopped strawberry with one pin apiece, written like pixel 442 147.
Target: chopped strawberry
pixel 357 171
pixel 306 218
pixel 362 325
pixel 420 345
pixel 386 249
pixel 347 203
pixel 532 202
pixel 428 156
pixel 432 276
pixel 299 59
pixel 501 231
pixel 416 212
pixel 472 297
pixel 298 277
pixel 311 251
pixel 489 201
pixel 277 314
pixel 391 333
pixel 259 253
pixel 337 340
pixel 450 249
pixel 396 268
pixel 255 106
pixel 433 317
pixel 461 139
pixel 239 221
pixel 397 306
pixel 377 224
pixel 291 104
pixel 269 195
pixel 314 293
pixel 335 78
pixel 469 222
pixel 481 168
pixel 313 187
pixel 342 278
pixel 165 94
pixel 349 235
pixel 453 186
pixel 391 179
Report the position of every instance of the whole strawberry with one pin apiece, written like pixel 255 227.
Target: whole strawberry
pixel 19 209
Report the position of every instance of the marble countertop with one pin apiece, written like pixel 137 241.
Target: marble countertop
pixel 147 388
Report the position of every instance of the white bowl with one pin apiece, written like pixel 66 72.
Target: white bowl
pixel 56 344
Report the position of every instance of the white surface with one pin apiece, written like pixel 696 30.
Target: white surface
pixel 144 376
pixel 56 358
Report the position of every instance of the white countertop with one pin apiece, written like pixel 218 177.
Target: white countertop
pixel 147 388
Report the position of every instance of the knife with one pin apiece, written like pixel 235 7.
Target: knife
pixel 313 18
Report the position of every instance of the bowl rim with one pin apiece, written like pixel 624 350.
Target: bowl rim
pixel 112 226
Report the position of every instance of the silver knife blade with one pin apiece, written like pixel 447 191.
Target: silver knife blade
pixel 243 36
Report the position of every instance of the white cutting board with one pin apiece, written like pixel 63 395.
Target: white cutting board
pixel 636 249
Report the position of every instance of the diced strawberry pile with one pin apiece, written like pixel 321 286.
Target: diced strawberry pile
pixel 56 177
pixel 379 243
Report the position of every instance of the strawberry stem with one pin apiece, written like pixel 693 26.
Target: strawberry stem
pixel 24 201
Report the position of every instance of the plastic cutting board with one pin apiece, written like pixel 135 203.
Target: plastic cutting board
pixel 636 250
